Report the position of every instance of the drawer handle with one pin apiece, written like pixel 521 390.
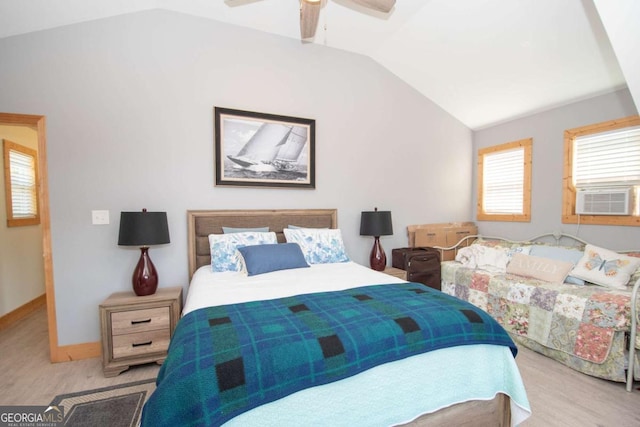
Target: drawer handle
pixel 137 322
pixel 141 344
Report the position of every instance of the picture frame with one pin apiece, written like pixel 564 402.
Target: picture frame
pixel 263 150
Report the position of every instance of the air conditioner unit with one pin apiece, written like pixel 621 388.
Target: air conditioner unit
pixel 604 201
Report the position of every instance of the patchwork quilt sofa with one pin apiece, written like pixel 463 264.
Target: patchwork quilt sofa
pixel 571 303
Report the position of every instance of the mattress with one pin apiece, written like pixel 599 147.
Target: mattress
pixel 229 287
pixel 438 378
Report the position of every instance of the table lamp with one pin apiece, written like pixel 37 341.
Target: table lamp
pixel 144 229
pixel 376 223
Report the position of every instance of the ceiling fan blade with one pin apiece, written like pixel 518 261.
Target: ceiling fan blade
pixel 309 14
pixel 234 3
pixel 380 5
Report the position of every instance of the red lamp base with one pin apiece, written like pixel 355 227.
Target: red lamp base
pixel 378 259
pixel 145 276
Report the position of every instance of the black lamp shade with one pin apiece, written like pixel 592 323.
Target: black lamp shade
pixel 376 223
pixel 143 228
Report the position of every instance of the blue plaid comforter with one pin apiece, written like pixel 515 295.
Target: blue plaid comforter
pixel 225 360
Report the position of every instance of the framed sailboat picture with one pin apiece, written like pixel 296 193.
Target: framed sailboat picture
pixel 264 150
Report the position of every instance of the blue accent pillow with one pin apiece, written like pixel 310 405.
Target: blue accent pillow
pixel 266 258
pixel 228 230
pixel 561 254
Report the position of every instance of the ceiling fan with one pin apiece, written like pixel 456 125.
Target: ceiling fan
pixel 310 12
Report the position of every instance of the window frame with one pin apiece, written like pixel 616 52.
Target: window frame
pixel 569 190
pixel 525 216
pixel 9 146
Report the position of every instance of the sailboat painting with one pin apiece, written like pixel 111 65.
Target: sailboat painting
pixel 257 149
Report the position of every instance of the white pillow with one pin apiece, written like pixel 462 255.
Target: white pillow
pixel 605 268
pixel 484 257
pixel 319 246
pixel 224 248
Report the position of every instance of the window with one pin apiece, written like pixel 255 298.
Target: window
pixel 603 157
pixel 21 184
pixel 504 182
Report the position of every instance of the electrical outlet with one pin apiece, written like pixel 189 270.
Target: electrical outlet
pixel 99 217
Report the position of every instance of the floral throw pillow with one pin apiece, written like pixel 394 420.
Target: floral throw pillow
pixel 319 246
pixel 224 253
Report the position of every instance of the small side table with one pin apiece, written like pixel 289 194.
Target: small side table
pixel 137 330
pixel 396 272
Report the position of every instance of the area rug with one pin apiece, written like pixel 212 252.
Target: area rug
pixel 115 406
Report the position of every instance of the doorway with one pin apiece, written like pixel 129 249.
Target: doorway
pixel 38 123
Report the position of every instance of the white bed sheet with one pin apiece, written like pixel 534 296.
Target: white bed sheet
pixel 208 288
pixel 391 397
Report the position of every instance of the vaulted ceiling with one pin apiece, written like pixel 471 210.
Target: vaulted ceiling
pixel 483 61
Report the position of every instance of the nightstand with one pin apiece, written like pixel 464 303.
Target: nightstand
pixel 137 330
pixel 396 272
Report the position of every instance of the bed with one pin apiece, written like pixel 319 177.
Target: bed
pixel 477 383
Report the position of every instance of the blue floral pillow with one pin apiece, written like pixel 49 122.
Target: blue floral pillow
pixel 319 246
pixel 224 253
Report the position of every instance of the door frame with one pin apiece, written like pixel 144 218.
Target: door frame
pixel 56 353
pixel 38 123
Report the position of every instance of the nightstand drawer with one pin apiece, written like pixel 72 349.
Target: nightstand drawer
pixel 141 343
pixel 127 322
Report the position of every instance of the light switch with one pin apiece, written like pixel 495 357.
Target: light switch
pixel 99 217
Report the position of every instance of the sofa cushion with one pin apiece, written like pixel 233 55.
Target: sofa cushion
pixel 560 253
pixel 547 269
pixel 605 268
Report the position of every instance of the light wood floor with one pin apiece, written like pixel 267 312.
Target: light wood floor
pixel 27 377
pixel 558 395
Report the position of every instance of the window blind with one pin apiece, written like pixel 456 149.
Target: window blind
pixel 503 182
pixel 607 158
pixel 23 185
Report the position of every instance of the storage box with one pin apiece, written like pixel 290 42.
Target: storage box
pixel 443 234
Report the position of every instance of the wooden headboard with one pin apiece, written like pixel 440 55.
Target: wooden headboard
pixel 202 223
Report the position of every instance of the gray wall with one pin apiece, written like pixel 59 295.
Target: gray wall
pixel 21 264
pixel 129 104
pixel 547 130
